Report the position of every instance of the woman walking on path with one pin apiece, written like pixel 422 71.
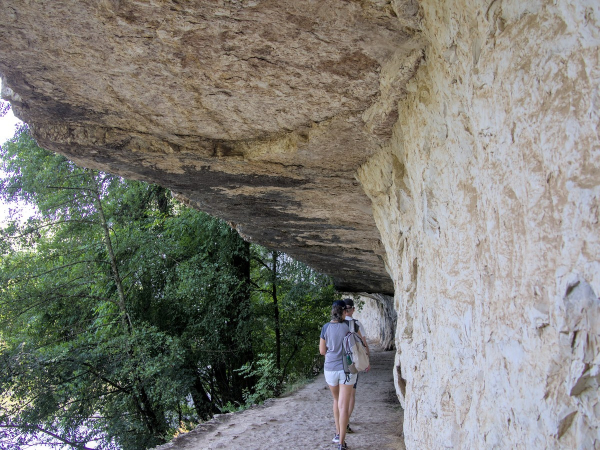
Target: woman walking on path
pixel 301 416
pixel 340 385
pixel 357 326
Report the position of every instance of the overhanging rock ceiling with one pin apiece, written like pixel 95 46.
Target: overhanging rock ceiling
pixel 258 112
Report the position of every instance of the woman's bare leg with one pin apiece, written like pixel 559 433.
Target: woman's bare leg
pixel 344 397
pixel 351 404
pixel 335 392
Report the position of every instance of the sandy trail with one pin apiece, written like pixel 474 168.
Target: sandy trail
pixel 304 420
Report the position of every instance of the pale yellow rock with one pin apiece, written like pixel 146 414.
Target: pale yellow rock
pixel 487 199
pixel 377 315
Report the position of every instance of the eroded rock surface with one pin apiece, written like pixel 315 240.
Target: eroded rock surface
pixel 377 315
pixel 258 112
pixel 488 201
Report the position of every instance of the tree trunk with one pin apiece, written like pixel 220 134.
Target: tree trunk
pixel 203 404
pixel 155 425
pixel 111 255
pixel 275 256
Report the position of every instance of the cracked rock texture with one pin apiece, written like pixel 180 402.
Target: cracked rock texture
pixel 251 110
pixel 487 198
pixel 443 151
pixel 378 317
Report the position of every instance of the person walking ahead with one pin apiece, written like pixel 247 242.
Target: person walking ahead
pixel 341 386
pixel 357 328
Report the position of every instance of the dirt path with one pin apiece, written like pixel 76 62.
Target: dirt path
pixel 304 420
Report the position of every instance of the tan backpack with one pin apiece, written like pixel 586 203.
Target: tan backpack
pixel 355 353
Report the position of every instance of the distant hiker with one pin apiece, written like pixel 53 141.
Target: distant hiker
pixel 340 384
pixel 357 327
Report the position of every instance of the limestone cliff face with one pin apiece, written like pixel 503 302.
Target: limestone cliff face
pixel 487 199
pixel 444 150
pixel 377 315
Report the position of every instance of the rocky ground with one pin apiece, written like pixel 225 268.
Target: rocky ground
pixel 304 420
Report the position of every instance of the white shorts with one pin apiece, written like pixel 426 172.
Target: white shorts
pixel 335 377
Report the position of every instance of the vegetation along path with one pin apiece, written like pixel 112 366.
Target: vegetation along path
pixel 305 419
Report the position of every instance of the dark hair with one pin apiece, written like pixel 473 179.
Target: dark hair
pixel 337 313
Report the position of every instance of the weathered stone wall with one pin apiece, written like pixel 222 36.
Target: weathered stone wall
pixel 377 315
pixel 487 200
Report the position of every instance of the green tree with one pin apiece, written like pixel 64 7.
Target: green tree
pixel 291 302
pixel 116 304
pixel 124 314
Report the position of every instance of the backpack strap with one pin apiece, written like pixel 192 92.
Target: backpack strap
pixel 353 327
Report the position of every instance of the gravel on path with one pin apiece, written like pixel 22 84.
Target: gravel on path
pixel 304 419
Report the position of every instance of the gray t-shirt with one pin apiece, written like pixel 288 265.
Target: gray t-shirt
pixel 334 334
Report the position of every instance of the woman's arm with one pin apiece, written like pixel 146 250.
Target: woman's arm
pixel 322 347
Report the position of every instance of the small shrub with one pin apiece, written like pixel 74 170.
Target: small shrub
pixel 267 375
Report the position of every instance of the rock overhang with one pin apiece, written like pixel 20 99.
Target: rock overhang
pixel 258 112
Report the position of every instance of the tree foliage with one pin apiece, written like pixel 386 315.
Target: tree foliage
pixel 124 314
pixel 4 108
pixel 117 306
pixel 291 301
